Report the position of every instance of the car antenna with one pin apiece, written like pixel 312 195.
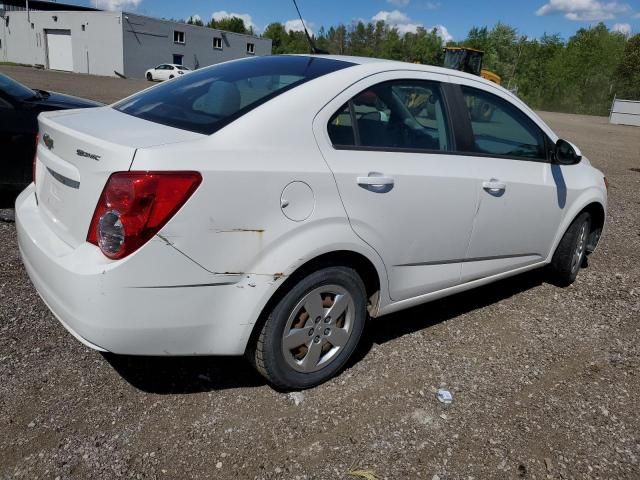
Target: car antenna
pixel 312 47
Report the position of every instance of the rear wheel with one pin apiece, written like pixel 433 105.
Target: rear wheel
pixel 311 332
pixel 170 77
pixel 571 252
pixel 149 77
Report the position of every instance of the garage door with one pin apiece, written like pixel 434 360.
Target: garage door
pixel 59 48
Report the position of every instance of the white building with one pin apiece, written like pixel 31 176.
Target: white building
pixel 85 40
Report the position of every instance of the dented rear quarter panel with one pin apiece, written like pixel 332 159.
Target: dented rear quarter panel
pixel 234 224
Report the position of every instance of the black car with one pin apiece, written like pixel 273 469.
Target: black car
pixel 19 109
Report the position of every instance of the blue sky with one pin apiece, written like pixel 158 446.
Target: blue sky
pixel 453 17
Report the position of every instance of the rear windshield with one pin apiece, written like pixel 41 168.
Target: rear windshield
pixel 208 99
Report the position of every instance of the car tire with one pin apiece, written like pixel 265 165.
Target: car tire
pixel 571 253
pixel 318 344
pixel 149 77
pixel 170 77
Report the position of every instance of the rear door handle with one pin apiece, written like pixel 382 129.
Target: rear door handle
pixel 494 186
pixel 376 182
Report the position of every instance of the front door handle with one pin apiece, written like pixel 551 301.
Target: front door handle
pixel 376 182
pixel 494 186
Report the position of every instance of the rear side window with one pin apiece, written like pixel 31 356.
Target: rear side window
pixel 210 98
pixel 501 129
pixel 404 114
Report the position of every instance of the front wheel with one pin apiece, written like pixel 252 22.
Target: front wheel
pixel 313 330
pixel 571 252
pixel 150 77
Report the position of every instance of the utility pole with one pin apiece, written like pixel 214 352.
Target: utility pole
pixel 28 17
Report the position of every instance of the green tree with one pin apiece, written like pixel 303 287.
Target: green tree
pixel 229 24
pixel 195 21
pixel 627 73
pixel 279 38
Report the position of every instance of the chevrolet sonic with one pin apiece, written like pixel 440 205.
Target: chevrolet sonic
pixel 269 206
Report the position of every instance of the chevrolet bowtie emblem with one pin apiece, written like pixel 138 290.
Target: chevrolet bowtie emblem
pixel 48 141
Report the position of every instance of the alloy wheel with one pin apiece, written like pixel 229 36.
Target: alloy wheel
pixel 318 328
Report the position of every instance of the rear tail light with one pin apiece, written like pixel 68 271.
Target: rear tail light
pixel 35 157
pixel 134 206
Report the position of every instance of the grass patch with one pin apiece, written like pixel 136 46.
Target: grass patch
pixel 13 64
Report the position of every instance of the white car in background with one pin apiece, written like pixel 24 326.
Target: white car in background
pixel 269 206
pixel 166 71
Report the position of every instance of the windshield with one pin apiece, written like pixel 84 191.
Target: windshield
pixel 210 98
pixel 15 89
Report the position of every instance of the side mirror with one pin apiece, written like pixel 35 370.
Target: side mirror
pixel 566 153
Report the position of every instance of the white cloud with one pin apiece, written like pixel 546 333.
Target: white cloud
pixel 117 5
pixel 623 28
pixel 443 33
pixel 398 19
pixel 399 3
pixel 392 18
pixel 404 24
pixel 296 26
pixel 583 10
pixel 246 18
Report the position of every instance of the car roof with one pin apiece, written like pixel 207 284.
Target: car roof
pixel 385 64
pixel 398 64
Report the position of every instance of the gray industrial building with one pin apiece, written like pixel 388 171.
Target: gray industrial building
pixel 86 40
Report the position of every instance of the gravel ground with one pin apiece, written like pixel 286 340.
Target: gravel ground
pixel 545 380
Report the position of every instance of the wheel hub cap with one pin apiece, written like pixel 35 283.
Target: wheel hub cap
pixel 318 328
pixel 578 253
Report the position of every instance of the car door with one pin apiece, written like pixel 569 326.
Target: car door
pixel 159 73
pixel 521 193
pixel 164 72
pixel 389 143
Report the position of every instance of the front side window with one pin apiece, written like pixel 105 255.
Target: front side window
pixel 208 99
pixel 406 114
pixel 501 129
pixel 178 37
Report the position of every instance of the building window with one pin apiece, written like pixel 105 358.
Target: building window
pixel 177 59
pixel 84 27
pixel 217 43
pixel 178 37
pixel 251 49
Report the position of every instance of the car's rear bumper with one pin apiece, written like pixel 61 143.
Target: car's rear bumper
pixel 155 302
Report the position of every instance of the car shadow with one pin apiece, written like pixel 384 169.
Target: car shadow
pixel 8 198
pixel 183 375
pixel 176 375
pixel 385 329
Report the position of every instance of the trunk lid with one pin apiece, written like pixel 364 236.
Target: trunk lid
pixel 78 151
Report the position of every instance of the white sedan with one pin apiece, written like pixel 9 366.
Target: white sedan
pixel 166 71
pixel 269 206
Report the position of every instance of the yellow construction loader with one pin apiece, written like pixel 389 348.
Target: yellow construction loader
pixel 468 60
